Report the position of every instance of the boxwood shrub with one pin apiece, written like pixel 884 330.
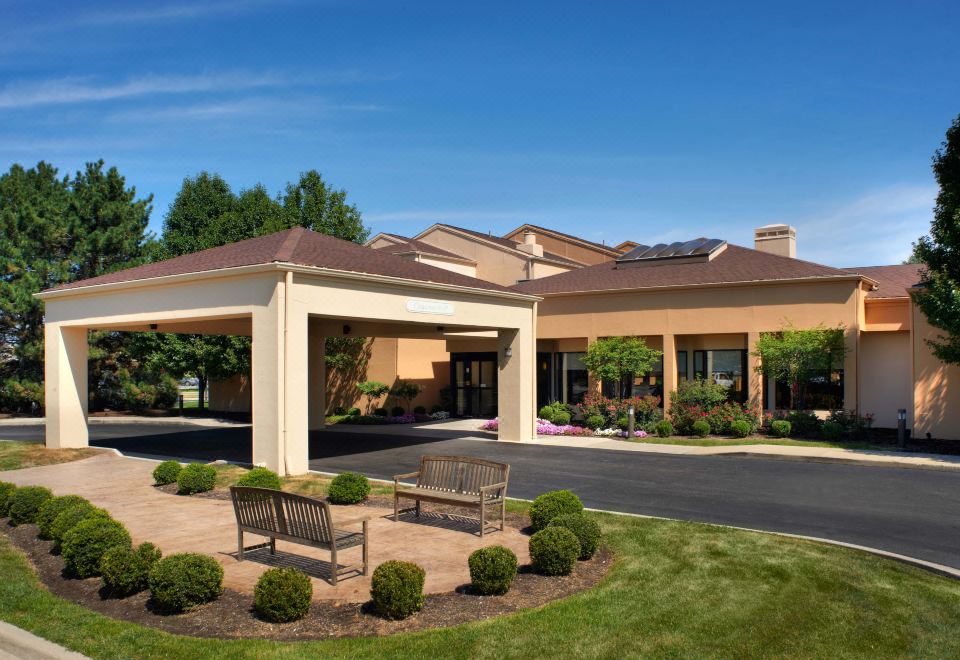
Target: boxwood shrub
pixel 196 478
pixel 550 505
pixel 381 412
pixel 84 546
pixel 780 428
pixel 52 508
pixel 282 594
pixel 663 428
pixel 25 504
pixel 397 589
pixel 740 428
pixel 554 551
pixel 260 477
pixel 70 518
pixel 166 473
pixel 125 571
pixel 492 569
pixel 185 580
pixel 594 422
pixel 700 428
pixel 6 490
pixel 584 528
pixel 348 488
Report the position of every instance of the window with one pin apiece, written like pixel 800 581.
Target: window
pixel 648 384
pixel 822 391
pixel 682 366
pixel 572 379
pixel 725 367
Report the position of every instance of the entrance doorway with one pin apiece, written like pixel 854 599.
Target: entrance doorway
pixel 474 380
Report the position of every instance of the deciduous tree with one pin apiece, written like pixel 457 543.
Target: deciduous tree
pixel 794 355
pixel 614 358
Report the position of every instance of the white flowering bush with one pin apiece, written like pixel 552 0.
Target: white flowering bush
pixel 440 414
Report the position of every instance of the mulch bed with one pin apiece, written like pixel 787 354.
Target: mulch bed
pixel 232 615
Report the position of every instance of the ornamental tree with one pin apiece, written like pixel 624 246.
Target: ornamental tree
pixel 939 299
pixel 794 355
pixel 407 390
pixel 615 358
pixel 373 390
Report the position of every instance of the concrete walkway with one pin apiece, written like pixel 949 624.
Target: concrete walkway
pixel 22 645
pixel 123 486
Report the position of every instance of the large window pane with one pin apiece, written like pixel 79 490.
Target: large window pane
pixel 572 378
pixel 724 367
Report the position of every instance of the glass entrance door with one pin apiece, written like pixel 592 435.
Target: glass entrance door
pixel 474 379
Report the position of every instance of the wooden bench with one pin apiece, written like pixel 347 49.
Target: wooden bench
pixel 294 518
pixel 458 480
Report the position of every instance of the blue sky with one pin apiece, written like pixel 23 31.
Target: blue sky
pixel 643 121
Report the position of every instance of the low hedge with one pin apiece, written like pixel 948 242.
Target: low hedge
pixel 85 545
pixel 70 518
pixel 126 571
pixel 663 429
pixel 595 422
pixel 183 581
pixel 24 505
pixel 740 428
pixel 52 508
pixel 282 594
pixel 196 478
pixel 700 428
pixel 167 473
pixel 348 488
pixel 492 570
pixel 584 528
pixel 780 428
pixel 6 490
pixel 397 589
pixel 552 504
pixel 260 477
pixel 554 551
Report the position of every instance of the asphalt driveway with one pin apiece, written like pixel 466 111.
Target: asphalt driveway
pixel 915 512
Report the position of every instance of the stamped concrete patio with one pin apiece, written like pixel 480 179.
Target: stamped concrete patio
pixel 123 486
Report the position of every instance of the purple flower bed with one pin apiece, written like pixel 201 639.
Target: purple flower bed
pixel 549 428
pixel 409 418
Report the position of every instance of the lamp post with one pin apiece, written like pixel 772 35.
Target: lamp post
pixel 902 428
pixel 631 420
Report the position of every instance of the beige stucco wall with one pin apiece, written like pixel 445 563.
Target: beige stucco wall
pixel 887 314
pixel 448 264
pixel 231 395
pixel 936 386
pixel 493 264
pixel 543 269
pixel 884 377
pixel 565 248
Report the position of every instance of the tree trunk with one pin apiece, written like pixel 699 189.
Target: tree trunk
pixel 201 391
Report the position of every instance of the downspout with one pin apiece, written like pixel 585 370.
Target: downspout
pixel 287 288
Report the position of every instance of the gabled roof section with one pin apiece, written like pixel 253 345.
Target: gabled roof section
pixel 296 246
pixel 600 247
pixel 413 246
pixel 393 238
pixel 892 281
pixel 504 243
pixel 735 265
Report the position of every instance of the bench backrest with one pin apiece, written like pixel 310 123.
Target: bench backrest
pixel 282 513
pixel 460 474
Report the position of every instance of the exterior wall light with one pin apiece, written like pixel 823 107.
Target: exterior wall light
pixel 508 352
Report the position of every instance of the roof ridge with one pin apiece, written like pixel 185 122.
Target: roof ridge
pixel 289 245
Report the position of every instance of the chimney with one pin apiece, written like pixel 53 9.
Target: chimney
pixel 776 239
pixel 530 245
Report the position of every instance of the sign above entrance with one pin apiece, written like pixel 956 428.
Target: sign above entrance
pixel 430 307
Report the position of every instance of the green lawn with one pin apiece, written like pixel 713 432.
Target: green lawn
pixel 16 454
pixel 754 440
pixel 677 589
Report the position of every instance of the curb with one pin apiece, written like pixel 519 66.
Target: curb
pixel 18 643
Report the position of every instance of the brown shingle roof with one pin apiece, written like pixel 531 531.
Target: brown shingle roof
pixel 506 242
pixel 413 245
pixel 893 281
pixel 599 246
pixel 297 246
pixel 735 264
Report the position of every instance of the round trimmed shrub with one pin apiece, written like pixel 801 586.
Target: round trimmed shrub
pixel 353 412
pixel 550 505
pixel 584 528
pixel 561 418
pixel 196 478
pixel 125 571
pixel 185 580
pixel 492 570
pixel 780 428
pixel 381 412
pixel 420 410
pixel 554 551
pixel 52 508
pixel 166 473
pixel 398 411
pixel 70 518
pixel 831 431
pixel 663 428
pixel 700 428
pixel 84 546
pixel 348 488
pixel 397 589
pixel 6 490
pixel 594 422
pixel 282 594
pixel 260 477
pixel 740 428
pixel 25 504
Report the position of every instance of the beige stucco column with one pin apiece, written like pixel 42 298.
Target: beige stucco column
pixel 516 384
pixel 669 369
pixel 317 366
pixel 754 377
pixel 65 386
pixel 266 357
pixel 851 398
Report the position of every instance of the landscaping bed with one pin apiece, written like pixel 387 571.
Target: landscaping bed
pixel 232 614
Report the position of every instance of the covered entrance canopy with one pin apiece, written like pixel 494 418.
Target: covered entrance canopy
pixel 288 291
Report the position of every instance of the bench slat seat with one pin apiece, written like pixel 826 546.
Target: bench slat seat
pixel 458 480
pixel 295 518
